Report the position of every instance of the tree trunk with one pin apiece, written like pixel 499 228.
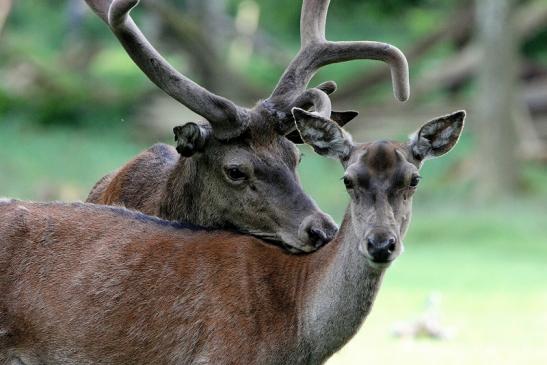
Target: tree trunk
pixel 528 20
pixel 497 75
pixel 5 8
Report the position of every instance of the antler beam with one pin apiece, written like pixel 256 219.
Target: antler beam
pixel 316 52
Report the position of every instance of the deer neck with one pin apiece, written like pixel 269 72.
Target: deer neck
pixel 341 292
pixel 182 194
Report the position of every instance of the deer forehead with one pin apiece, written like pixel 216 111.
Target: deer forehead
pixel 380 165
pixel 274 148
pixel 271 152
pixel 380 156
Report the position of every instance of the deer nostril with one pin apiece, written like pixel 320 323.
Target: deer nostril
pixel 391 245
pixel 316 230
pixel 318 237
pixel 370 245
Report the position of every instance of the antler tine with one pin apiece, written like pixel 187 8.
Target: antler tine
pixel 313 19
pixel 226 118
pixel 100 7
pixel 316 52
pixel 346 51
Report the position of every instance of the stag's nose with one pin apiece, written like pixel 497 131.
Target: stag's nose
pixel 381 246
pixel 317 237
pixel 318 230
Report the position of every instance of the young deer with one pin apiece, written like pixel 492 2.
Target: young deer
pixel 89 284
pixel 238 169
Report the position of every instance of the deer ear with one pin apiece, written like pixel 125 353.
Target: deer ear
pixel 324 135
pixel 191 138
pixel 437 137
pixel 341 118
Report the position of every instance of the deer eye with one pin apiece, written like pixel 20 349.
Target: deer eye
pixel 235 173
pixel 415 180
pixel 348 182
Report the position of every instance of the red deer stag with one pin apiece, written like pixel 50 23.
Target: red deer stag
pixel 239 168
pixel 91 284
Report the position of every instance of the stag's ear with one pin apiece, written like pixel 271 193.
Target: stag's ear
pixel 324 135
pixel 341 118
pixel 437 137
pixel 191 138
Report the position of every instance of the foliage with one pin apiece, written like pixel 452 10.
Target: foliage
pixel 59 70
pixel 55 72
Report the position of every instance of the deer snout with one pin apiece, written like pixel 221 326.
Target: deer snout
pixel 381 246
pixel 317 230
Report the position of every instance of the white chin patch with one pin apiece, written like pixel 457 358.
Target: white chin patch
pixel 378 265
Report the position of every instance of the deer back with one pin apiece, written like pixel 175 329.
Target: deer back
pixel 140 183
pixel 142 291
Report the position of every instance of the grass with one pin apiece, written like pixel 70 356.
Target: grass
pixel 59 163
pixel 487 264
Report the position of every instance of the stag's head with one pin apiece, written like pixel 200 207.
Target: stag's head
pixel 380 177
pixel 246 157
pixel 250 182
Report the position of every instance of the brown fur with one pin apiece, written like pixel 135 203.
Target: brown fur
pixel 383 157
pixel 139 184
pixel 142 291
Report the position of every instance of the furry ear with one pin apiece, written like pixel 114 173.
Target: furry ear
pixel 341 118
pixel 324 135
pixel 437 137
pixel 191 138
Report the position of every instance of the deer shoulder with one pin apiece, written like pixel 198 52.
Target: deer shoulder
pixel 135 185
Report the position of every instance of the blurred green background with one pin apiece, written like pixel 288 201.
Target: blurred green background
pixel 74 107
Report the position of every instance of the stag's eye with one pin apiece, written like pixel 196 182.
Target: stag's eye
pixel 414 181
pixel 348 182
pixel 235 173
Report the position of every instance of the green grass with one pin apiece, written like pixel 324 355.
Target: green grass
pixel 489 265
pixel 59 163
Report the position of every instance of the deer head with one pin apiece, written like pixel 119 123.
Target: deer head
pixel 244 160
pixel 380 177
